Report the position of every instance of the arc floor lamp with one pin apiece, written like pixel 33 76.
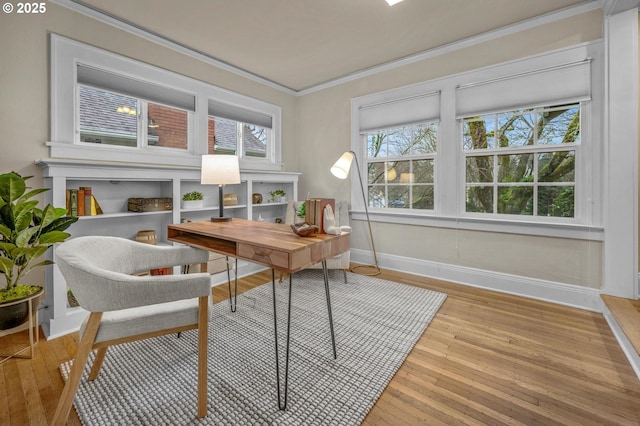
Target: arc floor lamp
pixel 340 169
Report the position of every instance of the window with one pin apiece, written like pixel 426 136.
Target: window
pixel 232 137
pixel 110 118
pixel 522 162
pixel 400 167
pixel 514 147
pixel 106 106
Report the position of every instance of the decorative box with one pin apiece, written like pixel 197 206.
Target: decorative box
pixel 230 200
pixel 149 204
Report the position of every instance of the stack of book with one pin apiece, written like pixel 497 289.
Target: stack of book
pixel 82 202
pixel 314 211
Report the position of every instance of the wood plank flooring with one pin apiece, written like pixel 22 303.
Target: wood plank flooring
pixel 486 358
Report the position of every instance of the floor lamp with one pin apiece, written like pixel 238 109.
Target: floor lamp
pixel 340 169
pixel 220 170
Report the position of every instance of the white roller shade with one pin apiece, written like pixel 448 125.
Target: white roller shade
pixel 113 82
pixel 556 85
pixel 398 112
pixel 236 113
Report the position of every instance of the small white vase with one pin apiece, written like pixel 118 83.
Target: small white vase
pixel 192 204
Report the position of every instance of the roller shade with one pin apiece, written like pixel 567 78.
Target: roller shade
pixel 236 113
pixel 398 112
pixel 556 85
pixel 113 82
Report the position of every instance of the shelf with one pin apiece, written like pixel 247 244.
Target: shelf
pixel 123 214
pixel 284 203
pixel 213 208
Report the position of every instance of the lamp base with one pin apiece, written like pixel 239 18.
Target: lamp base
pixel 372 270
pixel 221 219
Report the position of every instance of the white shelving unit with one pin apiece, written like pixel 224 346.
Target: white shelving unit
pixel 113 184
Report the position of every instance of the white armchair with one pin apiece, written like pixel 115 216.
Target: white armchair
pixel 342 261
pixel 124 307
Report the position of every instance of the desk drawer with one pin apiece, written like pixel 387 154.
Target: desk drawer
pixel 268 257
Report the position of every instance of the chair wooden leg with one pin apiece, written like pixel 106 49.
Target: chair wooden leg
pixel 203 324
pixel 97 363
pixel 84 349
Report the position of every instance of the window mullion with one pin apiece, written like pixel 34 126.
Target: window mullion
pixel 142 120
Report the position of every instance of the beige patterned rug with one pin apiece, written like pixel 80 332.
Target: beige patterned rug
pixel 377 323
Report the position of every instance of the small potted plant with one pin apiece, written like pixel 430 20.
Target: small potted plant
pixel 277 196
pixel 301 212
pixel 192 200
pixel 26 233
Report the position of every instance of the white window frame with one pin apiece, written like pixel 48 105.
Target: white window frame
pixel 450 176
pixel 64 142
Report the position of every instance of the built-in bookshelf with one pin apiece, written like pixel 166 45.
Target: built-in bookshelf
pixel 113 184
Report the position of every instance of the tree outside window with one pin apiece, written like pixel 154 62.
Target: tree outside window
pixel 522 162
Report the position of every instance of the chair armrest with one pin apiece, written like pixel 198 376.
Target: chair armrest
pixel 110 291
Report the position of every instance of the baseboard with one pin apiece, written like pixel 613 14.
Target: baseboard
pixel 548 291
pixel 625 344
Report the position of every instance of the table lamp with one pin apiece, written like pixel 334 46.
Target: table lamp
pixel 340 169
pixel 220 170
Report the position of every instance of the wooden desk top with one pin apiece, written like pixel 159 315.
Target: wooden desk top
pixel 270 244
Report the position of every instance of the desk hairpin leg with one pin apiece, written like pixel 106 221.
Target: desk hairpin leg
pixel 282 399
pixel 234 295
pixel 325 273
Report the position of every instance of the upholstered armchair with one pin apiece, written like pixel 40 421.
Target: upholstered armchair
pixel 342 261
pixel 124 307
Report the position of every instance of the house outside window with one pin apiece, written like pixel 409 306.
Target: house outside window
pixel 231 137
pixel 522 162
pixel 110 118
pixel 400 167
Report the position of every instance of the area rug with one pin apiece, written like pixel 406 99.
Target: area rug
pixel 376 322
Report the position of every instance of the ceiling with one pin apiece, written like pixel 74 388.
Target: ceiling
pixel 301 44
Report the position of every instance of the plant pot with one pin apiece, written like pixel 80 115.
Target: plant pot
pixel 192 204
pixel 16 312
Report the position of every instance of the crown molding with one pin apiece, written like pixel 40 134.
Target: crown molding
pixel 607 5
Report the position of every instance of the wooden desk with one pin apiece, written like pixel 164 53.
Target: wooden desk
pixel 273 245
pixel 270 244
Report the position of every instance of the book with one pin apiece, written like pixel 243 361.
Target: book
pixel 95 206
pixel 317 205
pixel 73 202
pixel 80 202
pixel 87 200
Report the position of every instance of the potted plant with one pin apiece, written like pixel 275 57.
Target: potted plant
pixel 277 195
pixel 301 213
pixel 192 200
pixel 26 233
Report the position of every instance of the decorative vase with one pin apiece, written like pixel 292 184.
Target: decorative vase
pixel 256 198
pixel 16 312
pixel 147 236
pixel 192 204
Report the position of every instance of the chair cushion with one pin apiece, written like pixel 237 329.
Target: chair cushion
pixel 146 319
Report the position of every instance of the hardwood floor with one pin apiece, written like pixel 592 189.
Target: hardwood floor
pixel 486 358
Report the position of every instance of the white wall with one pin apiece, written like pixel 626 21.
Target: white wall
pixel 324 120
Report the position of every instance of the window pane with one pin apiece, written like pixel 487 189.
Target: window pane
pixel 166 127
pixel 561 125
pixel 108 118
pixel 480 199
pixel 557 166
pixel 480 169
pixel 254 140
pixel 479 133
pixel 557 201
pixel 423 171
pixel 376 145
pixel 515 200
pixel 376 196
pixel 423 197
pixel 515 168
pixel 515 129
pixel 376 173
pixel 399 196
pixel 425 139
pixel 399 142
pixel 223 136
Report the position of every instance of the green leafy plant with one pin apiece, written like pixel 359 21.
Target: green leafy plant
pixel 192 196
pixel 26 233
pixel 277 193
pixel 302 210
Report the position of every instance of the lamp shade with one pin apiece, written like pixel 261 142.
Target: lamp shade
pixel 340 168
pixel 220 169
